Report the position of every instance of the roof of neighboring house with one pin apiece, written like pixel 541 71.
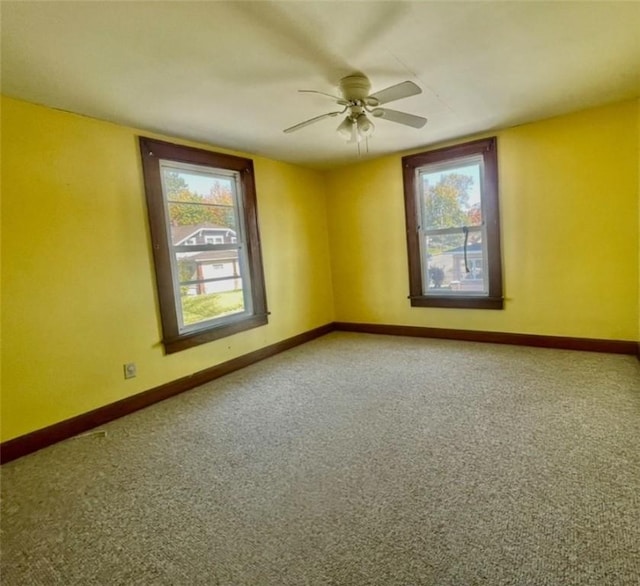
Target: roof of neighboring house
pixel 214 255
pixel 475 247
pixel 181 233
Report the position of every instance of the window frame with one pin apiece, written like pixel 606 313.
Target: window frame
pixel 411 165
pixel 152 152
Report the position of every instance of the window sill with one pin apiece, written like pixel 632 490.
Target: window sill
pixel 185 341
pixel 458 302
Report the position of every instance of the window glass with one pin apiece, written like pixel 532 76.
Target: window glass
pixel 213 202
pixel 451 194
pixel 451 267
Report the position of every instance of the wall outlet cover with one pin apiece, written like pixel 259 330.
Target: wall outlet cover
pixel 130 370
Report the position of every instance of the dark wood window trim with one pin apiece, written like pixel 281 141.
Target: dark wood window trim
pixel 152 152
pixel 410 165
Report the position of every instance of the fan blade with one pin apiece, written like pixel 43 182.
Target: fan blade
pixel 395 92
pixel 340 101
pixel 311 121
pixel 399 117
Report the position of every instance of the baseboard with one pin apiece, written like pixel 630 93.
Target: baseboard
pixel 558 342
pixel 41 438
pixel 36 440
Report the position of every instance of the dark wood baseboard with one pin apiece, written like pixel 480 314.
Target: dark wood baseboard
pixel 41 438
pixel 559 342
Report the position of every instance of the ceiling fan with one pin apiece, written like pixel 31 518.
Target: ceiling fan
pixel 357 103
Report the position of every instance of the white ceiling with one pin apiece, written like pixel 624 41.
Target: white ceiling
pixel 227 73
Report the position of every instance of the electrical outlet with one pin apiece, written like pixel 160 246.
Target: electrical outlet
pixel 130 370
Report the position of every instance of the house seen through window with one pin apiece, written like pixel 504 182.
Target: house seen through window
pixel 453 237
pixel 204 228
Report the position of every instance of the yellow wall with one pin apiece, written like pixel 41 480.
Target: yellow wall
pixel 569 215
pixel 78 287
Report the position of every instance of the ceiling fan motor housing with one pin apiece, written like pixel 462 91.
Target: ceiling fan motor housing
pixel 355 87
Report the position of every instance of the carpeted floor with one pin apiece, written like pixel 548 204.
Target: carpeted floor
pixel 352 460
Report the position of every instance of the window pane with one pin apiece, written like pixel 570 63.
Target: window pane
pixel 451 196
pixel 203 301
pixel 210 264
pixel 204 186
pixel 446 272
pixel 200 205
pixel 201 224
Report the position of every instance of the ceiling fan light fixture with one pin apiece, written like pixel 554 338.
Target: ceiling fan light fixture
pixel 346 128
pixel 356 129
pixel 365 126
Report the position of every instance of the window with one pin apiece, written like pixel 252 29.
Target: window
pixel 189 190
pixel 453 227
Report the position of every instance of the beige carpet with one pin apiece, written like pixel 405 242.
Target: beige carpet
pixel 352 460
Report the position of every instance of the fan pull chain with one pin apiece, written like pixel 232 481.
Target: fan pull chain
pixel 366 146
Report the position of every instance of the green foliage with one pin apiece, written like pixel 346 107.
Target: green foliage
pixel 447 206
pixel 186 269
pixel 174 183
pixel 436 275
pixel 197 308
pixel 186 272
pixel 217 209
pixel 447 201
